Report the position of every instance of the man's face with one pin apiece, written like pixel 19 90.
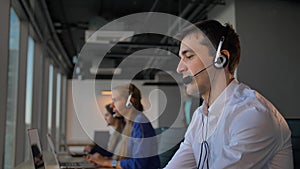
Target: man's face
pixel 195 57
pixel 115 110
pixel 119 102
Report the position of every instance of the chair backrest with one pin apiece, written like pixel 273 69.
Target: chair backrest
pixel 294 125
pixel 101 138
pixel 169 140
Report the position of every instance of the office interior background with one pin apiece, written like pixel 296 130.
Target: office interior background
pixel 41 40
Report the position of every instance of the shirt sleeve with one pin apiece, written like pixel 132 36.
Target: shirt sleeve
pixel 183 158
pixel 141 147
pixel 133 163
pixel 251 142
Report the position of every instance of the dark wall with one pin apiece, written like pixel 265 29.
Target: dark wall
pixel 270 58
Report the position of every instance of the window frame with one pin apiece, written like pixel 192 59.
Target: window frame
pixel 15 68
pixel 20 134
pixel 4 52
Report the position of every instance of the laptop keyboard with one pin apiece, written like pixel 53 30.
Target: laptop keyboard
pixel 76 164
pixel 69 164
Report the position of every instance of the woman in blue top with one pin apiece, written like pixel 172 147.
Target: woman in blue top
pixel 138 147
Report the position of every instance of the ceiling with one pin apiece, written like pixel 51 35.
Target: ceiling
pixel 72 18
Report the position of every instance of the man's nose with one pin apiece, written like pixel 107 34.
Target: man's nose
pixel 181 66
pixel 114 109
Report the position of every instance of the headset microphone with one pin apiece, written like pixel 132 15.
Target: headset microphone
pixel 189 79
pixel 117 117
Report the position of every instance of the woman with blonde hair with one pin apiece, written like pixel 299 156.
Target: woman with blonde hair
pixel 138 147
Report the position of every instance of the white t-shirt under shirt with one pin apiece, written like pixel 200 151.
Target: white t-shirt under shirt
pixel 242 130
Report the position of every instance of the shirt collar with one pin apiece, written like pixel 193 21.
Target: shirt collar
pixel 217 108
pixel 219 104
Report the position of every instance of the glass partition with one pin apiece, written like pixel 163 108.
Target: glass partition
pixel 12 90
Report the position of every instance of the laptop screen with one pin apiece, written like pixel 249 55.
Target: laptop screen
pixel 36 149
pixel 52 148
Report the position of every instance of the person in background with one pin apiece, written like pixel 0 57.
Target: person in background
pixel 138 148
pixel 235 127
pixel 190 105
pixel 117 123
pixel 37 157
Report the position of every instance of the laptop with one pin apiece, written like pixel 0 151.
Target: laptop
pixel 74 165
pixel 36 149
pixel 74 151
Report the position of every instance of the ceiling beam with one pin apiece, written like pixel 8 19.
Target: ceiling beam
pixel 57 43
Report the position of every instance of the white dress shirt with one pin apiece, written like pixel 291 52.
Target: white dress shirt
pixel 243 130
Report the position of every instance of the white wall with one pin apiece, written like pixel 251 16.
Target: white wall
pixel 75 132
pixel 90 107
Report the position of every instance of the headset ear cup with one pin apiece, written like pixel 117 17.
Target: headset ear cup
pixel 225 60
pixel 128 103
pixel 221 61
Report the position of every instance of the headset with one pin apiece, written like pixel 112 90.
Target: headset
pixel 114 114
pixel 220 60
pixel 128 102
pixel 118 117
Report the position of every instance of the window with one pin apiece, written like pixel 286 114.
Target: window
pixel 29 82
pixel 63 109
pixel 50 98
pixel 12 90
pixel 29 90
pixel 58 110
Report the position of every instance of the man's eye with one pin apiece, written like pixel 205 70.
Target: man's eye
pixel 190 56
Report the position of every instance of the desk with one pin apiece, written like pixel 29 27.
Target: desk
pixel 50 162
pixel 29 165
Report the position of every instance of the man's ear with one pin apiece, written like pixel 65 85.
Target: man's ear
pixel 226 53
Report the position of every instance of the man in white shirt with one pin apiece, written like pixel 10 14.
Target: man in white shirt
pixel 235 127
